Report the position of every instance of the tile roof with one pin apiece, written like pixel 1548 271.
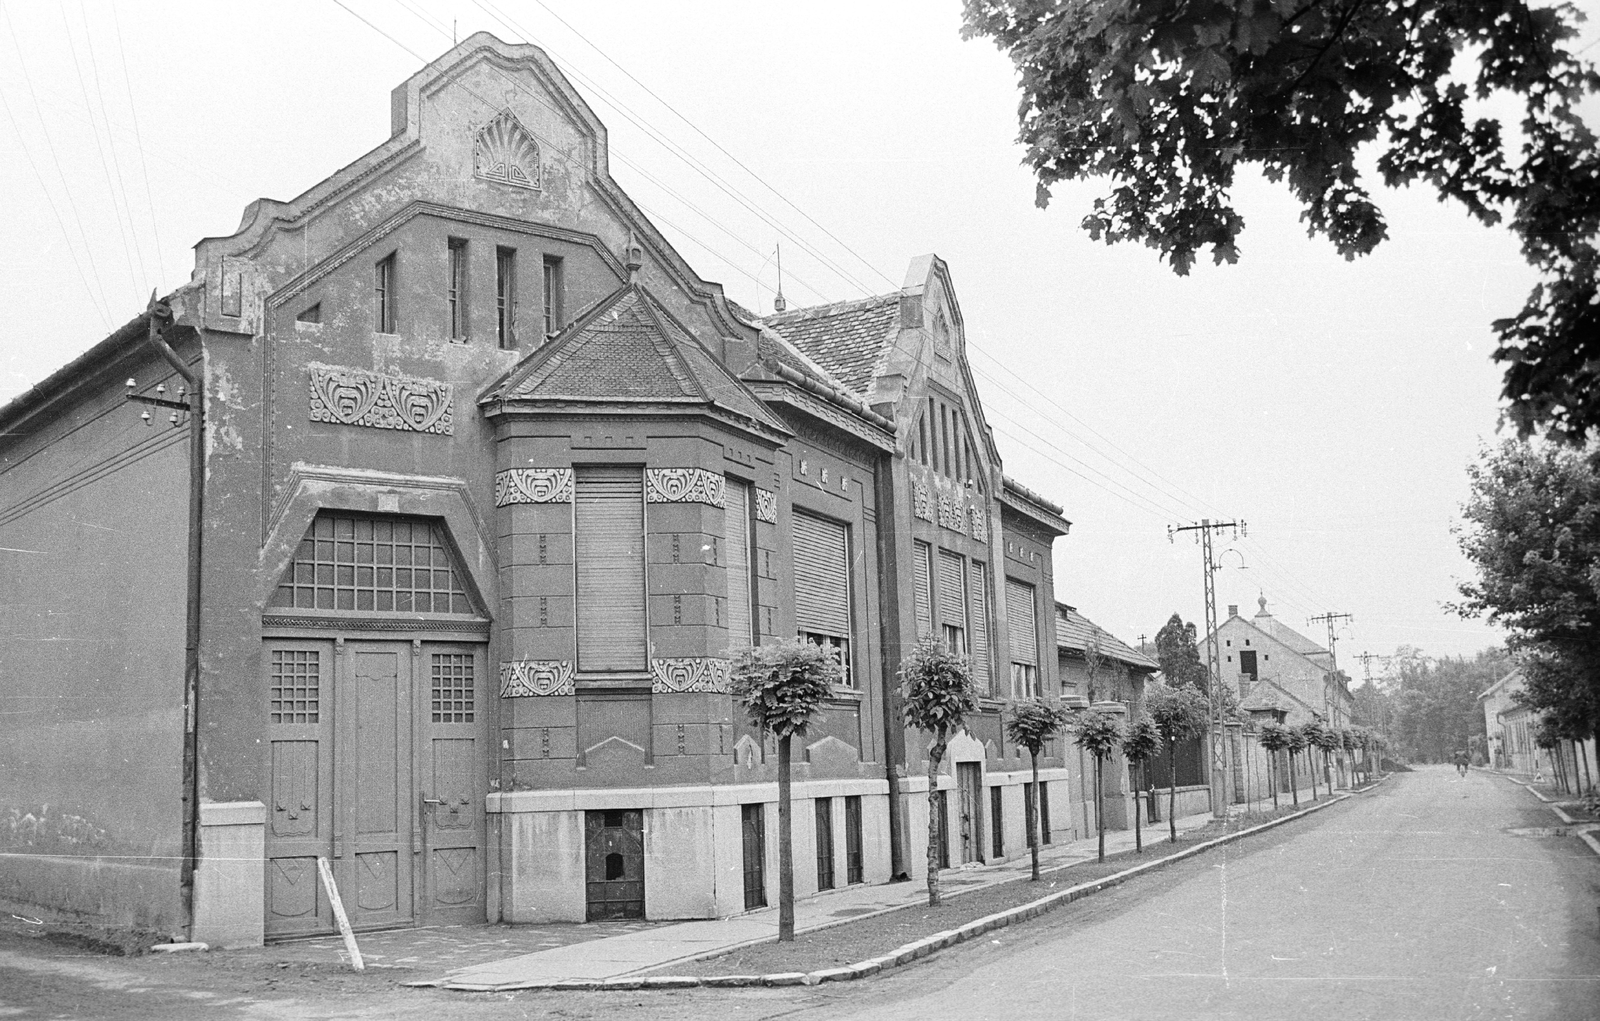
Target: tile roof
pixel 1074 631
pixel 628 348
pixel 846 338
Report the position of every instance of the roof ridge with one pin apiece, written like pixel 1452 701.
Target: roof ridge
pixel 831 308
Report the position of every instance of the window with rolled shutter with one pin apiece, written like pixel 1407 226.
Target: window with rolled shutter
pixel 953 601
pixel 736 540
pixel 922 583
pixel 980 627
pixel 608 548
pixel 822 585
pixel 1022 628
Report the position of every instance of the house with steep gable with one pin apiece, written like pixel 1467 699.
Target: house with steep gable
pixel 1270 666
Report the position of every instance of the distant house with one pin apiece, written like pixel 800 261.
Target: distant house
pixel 1119 670
pixel 1510 728
pixel 1270 665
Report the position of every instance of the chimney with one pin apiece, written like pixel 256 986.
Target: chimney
pixel 1233 609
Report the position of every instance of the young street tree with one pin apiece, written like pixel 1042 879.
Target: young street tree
pixel 1274 738
pixel 1170 101
pixel 1299 741
pixel 1178 714
pixel 1139 745
pixel 1030 724
pixel 782 687
pixel 1098 734
pixel 937 693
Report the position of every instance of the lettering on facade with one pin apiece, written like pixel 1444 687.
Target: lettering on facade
pixel 766 506
pixel 529 677
pixel 684 485
pixel 506 153
pixel 689 674
pixel 533 485
pixel 357 397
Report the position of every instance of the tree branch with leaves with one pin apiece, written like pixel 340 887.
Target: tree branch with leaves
pixel 937 693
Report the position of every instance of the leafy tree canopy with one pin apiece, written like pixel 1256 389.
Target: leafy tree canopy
pixel 1032 722
pixel 1178 655
pixel 1275 737
pixel 936 685
pixel 1169 101
pixel 1096 732
pixel 1140 742
pixel 783 685
pixel 1177 713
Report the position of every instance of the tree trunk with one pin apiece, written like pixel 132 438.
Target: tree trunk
pixel 1033 821
pixel 1311 768
pixel 1272 776
pixel 1587 774
pixel 1100 807
pixel 935 822
pixel 785 847
pixel 1138 796
pixel 1172 789
pixel 1294 783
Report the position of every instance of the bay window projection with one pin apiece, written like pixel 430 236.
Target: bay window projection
pixel 1023 629
pixel 822 585
pixel 608 547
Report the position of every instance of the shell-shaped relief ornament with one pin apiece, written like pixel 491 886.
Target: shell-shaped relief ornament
pixel 506 152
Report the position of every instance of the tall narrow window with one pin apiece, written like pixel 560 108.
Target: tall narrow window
pixel 822 585
pixel 922 583
pixel 979 578
pixel 552 294
pixel 608 515
pixel 384 300
pixel 457 292
pixel 997 823
pixel 855 865
pixel 944 442
pixel 922 440
pixel 1023 631
pixel 953 602
pixel 933 431
pixel 824 843
pixel 736 535
pixel 505 296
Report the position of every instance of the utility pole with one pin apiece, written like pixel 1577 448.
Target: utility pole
pixel 1221 761
pixel 1332 620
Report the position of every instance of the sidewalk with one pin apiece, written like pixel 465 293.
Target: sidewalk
pixel 660 945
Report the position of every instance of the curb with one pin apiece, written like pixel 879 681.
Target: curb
pixel 1586 835
pixel 911 951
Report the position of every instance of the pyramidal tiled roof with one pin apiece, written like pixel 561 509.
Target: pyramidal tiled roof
pixel 1075 631
pixel 846 338
pixel 627 348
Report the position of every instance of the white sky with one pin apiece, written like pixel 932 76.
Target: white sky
pixel 1331 405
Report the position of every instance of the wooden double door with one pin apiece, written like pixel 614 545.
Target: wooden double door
pixel 376 762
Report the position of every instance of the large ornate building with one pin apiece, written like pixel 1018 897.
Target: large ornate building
pixel 494 485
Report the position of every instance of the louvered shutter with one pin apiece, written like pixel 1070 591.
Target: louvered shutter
pixel 1022 626
pixel 821 576
pixel 609 551
pixel 736 542
pixel 952 593
pixel 923 585
pixel 980 626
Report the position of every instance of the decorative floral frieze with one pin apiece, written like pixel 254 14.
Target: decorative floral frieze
pixel 921 499
pixel 766 506
pixel 689 673
pixel 952 512
pixel 358 397
pixel 980 524
pixel 533 485
pixel 527 677
pixel 684 485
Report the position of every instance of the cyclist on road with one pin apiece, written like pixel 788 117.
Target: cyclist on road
pixel 1462 762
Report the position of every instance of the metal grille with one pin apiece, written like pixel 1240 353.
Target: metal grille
pixel 452 688
pixel 296 685
pixel 381 564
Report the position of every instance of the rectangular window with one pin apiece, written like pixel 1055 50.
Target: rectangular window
pixel 855 862
pixel 296 686
pixel 953 601
pixel 1023 630
pixel 824 843
pixel 922 583
pixel 453 688
pixel 384 300
pixel 944 442
pixel 608 550
pixel 922 440
pixel 997 822
pixel 822 585
pixel 378 564
pixel 1044 811
pixel 753 826
pixel 1027 810
pixel 979 577
pixel 552 295
pixel 457 290
pixel 933 431
pixel 736 536
pixel 505 296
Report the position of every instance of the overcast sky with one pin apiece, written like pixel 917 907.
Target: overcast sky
pixel 1331 405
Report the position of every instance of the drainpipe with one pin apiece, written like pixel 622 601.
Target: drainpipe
pixel 160 321
pixel 889 641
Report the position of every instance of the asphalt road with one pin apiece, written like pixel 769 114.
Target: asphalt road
pixel 1411 902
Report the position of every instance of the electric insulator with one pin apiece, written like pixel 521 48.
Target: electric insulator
pixel 146 416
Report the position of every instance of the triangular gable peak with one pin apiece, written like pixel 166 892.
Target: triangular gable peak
pixel 491 131
pixel 628 349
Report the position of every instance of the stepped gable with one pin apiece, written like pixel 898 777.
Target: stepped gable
pixel 846 338
pixel 627 348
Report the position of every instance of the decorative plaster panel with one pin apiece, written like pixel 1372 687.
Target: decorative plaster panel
pixel 766 506
pixel 691 673
pixel 356 397
pixel 921 499
pixel 525 677
pixel 506 153
pixel 980 524
pixel 684 485
pixel 952 514
pixel 533 485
